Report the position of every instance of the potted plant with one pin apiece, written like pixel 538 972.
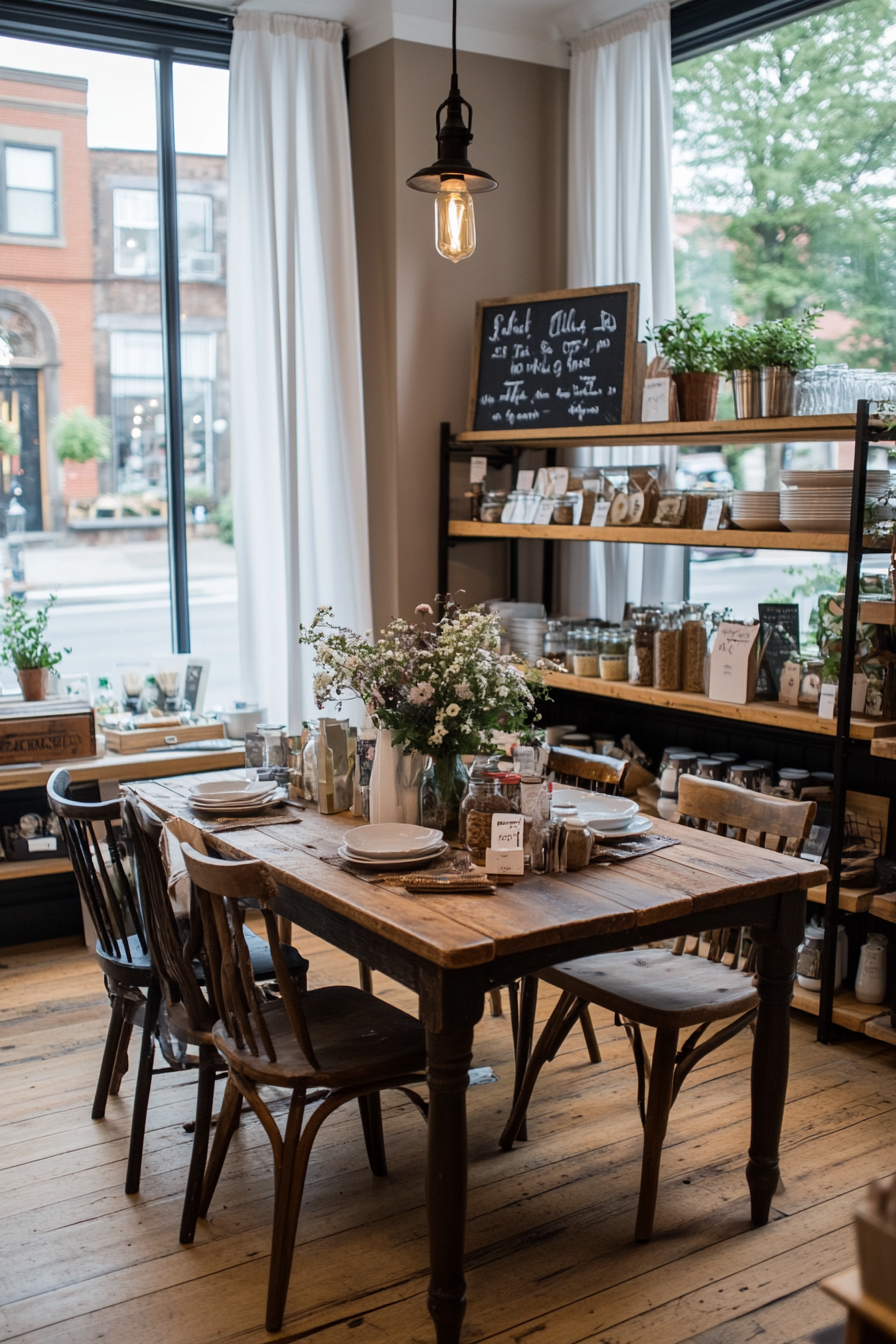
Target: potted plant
pixel 23 645
pixel 741 358
pixel 81 441
pixel 694 355
pixel 785 345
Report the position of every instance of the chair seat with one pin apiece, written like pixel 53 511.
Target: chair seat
pixel 137 971
pixel 655 987
pixel 260 956
pixel 357 1038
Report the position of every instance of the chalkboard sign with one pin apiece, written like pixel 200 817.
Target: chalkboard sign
pixel 554 361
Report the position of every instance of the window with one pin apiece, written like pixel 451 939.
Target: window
pixel 135 218
pixel 30 191
pixel 195 237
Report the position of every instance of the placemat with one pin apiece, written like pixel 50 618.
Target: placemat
pixel 289 814
pixel 453 862
pixel 631 849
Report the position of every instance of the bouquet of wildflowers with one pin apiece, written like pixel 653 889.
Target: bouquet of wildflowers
pixel 441 686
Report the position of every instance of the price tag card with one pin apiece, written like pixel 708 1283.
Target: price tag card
pixel 655 400
pixel 505 862
pixel 544 512
pixel 601 511
pixel 525 480
pixel 507 830
pixel 478 468
pixel 713 515
pixel 732 663
pixel 789 689
pixel 827 701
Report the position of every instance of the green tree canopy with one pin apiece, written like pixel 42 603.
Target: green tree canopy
pixel 786 174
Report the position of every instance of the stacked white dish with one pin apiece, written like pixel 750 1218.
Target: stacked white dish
pixel 756 510
pixel 602 813
pixel 235 797
pixel 821 501
pixel 527 636
pixel 392 845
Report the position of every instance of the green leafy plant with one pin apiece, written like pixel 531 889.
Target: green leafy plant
pixel 789 341
pixel 23 642
pixel 223 516
pixel 740 349
pixel 686 343
pixel 81 437
pixel 10 441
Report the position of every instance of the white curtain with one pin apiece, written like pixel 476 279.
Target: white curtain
pixel 620 230
pixel 299 475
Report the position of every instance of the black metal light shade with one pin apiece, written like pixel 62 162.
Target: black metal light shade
pixel 453 137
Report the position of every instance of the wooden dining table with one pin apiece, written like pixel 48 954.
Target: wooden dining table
pixel 452 950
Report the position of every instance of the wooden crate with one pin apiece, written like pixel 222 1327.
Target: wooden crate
pixel 46 730
pixel 144 739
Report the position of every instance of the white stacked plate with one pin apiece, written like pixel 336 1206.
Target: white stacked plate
pixel 822 500
pixel 603 814
pixel 392 845
pixel 877 481
pixel 756 510
pixel 233 798
pixel 527 637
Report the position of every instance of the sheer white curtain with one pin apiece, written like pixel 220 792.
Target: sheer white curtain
pixel 620 229
pixel 299 476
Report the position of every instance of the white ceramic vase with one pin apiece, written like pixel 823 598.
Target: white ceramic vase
pixel 385 797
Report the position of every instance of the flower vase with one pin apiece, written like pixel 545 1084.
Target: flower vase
pixel 442 787
pixel 385 797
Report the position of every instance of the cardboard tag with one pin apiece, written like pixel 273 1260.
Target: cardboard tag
pixel 655 400
pixel 42 844
pixel 859 692
pixel 713 515
pixel 507 830
pixel 505 862
pixel 732 663
pixel 544 512
pixel 559 479
pixel 789 689
pixel 478 468
pixel 827 700
pixel 525 480
pixel 601 510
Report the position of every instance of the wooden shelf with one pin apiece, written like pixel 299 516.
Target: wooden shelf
pixel 788 429
pixel 663 536
pixel 884 746
pixel 19 868
pixel 880 1028
pixel 883 906
pixel 848 1012
pixel 853 900
pixel 140 765
pixel 768 713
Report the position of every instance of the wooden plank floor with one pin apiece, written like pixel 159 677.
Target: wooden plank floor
pixel 550 1250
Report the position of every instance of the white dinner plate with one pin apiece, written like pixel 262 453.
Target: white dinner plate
pixel 636 827
pixel 391 840
pixel 235 789
pixel 393 865
pixel 231 810
pixel 831 480
pixel 211 801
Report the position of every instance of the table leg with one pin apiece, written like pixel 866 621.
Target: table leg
pixel 448 1061
pixel 776 967
pixel 525 1032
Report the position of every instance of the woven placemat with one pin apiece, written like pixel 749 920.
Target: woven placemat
pixel 452 862
pixel 631 849
pixel 288 814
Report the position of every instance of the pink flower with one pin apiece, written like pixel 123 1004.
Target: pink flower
pixel 421 694
pixel 424 609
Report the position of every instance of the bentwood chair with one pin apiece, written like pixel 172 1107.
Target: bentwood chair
pixel 338 1038
pixel 667 990
pixel 187 1010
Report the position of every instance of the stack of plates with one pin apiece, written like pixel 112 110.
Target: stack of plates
pixel 234 798
pixel 392 845
pixel 604 814
pixel 527 637
pixel 822 500
pixel 756 510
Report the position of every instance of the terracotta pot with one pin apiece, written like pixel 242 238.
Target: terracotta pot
pixel 80 480
pixel 34 681
pixel 698 395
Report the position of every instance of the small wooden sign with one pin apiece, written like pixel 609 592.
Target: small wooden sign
pixel 563 360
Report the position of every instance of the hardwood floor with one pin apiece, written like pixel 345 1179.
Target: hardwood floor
pixel 551 1255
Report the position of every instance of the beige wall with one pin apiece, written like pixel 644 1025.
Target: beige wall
pixel 416 308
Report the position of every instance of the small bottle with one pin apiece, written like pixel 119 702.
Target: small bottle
pixel 539 836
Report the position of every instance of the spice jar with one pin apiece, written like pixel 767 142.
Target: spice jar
pixel 507 788
pixel 747 776
pixel 667 652
pixel 613 657
pixel 646 620
pixel 579 843
pixel 585 652
pixel 564 510
pixel 492 506
pixel 709 768
pixel 554 642
pixel 792 781
pixel 693 647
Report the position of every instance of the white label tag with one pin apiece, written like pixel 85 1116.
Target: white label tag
pixel 713 515
pixel 601 510
pixel 507 830
pixel 505 862
pixel 789 690
pixel 478 468
pixel 655 400
pixel 731 663
pixel 525 480
pixel 43 844
pixel 859 693
pixel 559 479
pixel 545 511
pixel 827 701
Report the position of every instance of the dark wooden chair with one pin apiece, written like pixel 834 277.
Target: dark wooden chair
pixel 187 1010
pixel 338 1038
pixel 666 989
pixel 585 770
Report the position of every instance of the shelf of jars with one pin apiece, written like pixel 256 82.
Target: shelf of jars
pixel 664 536
pixel 768 429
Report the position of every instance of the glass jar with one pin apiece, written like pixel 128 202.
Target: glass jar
pixel 747 776
pixel 646 620
pixel 491 506
pixel 579 843
pixel 554 642
pixel 564 510
pixel 585 652
pixel 309 762
pixel 482 771
pixel 613 657
pixel 693 647
pixel 479 804
pixel 667 652
pixel 507 789
pixel 715 620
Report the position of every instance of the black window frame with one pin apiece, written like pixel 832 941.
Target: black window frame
pixel 5 230
pixel 702 26
pixel 167 34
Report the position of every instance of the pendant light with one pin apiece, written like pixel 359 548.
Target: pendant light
pixel 452 178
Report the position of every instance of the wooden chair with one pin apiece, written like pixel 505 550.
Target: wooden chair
pixel 187 1011
pixel 338 1038
pixel 601 774
pixel 665 989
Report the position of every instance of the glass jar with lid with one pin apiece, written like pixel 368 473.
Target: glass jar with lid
pixel 667 652
pixel 491 506
pixel 507 789
pixel 554 642
pixel 645 620
pixel 585 648
pixel 564 510
pixel 613 657
pixel 693 646
pixel 715 620
pixel 479 799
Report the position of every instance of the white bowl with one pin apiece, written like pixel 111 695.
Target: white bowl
pixel 607 811
pixel 232 789
pixel 390 840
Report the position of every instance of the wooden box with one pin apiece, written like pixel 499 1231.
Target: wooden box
pixel 144 739
pixel 46 730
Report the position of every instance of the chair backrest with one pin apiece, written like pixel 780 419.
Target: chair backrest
pixel 172 946
pixel 602 774
pixel 221 885
pixel 707 801
pixel 100 873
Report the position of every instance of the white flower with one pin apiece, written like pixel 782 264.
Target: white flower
pixel 424 608
pixel 422 693
pixel 452 711
pixel 462 691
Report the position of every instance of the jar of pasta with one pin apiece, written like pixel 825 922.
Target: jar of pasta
pixel 667 652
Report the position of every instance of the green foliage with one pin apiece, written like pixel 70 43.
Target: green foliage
pixel 223 516
pixel 10 441
pixel 23 638
pixel 788 341
pixel 686 343
pixel 811 581
pixel 79 437
pixel 786 143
